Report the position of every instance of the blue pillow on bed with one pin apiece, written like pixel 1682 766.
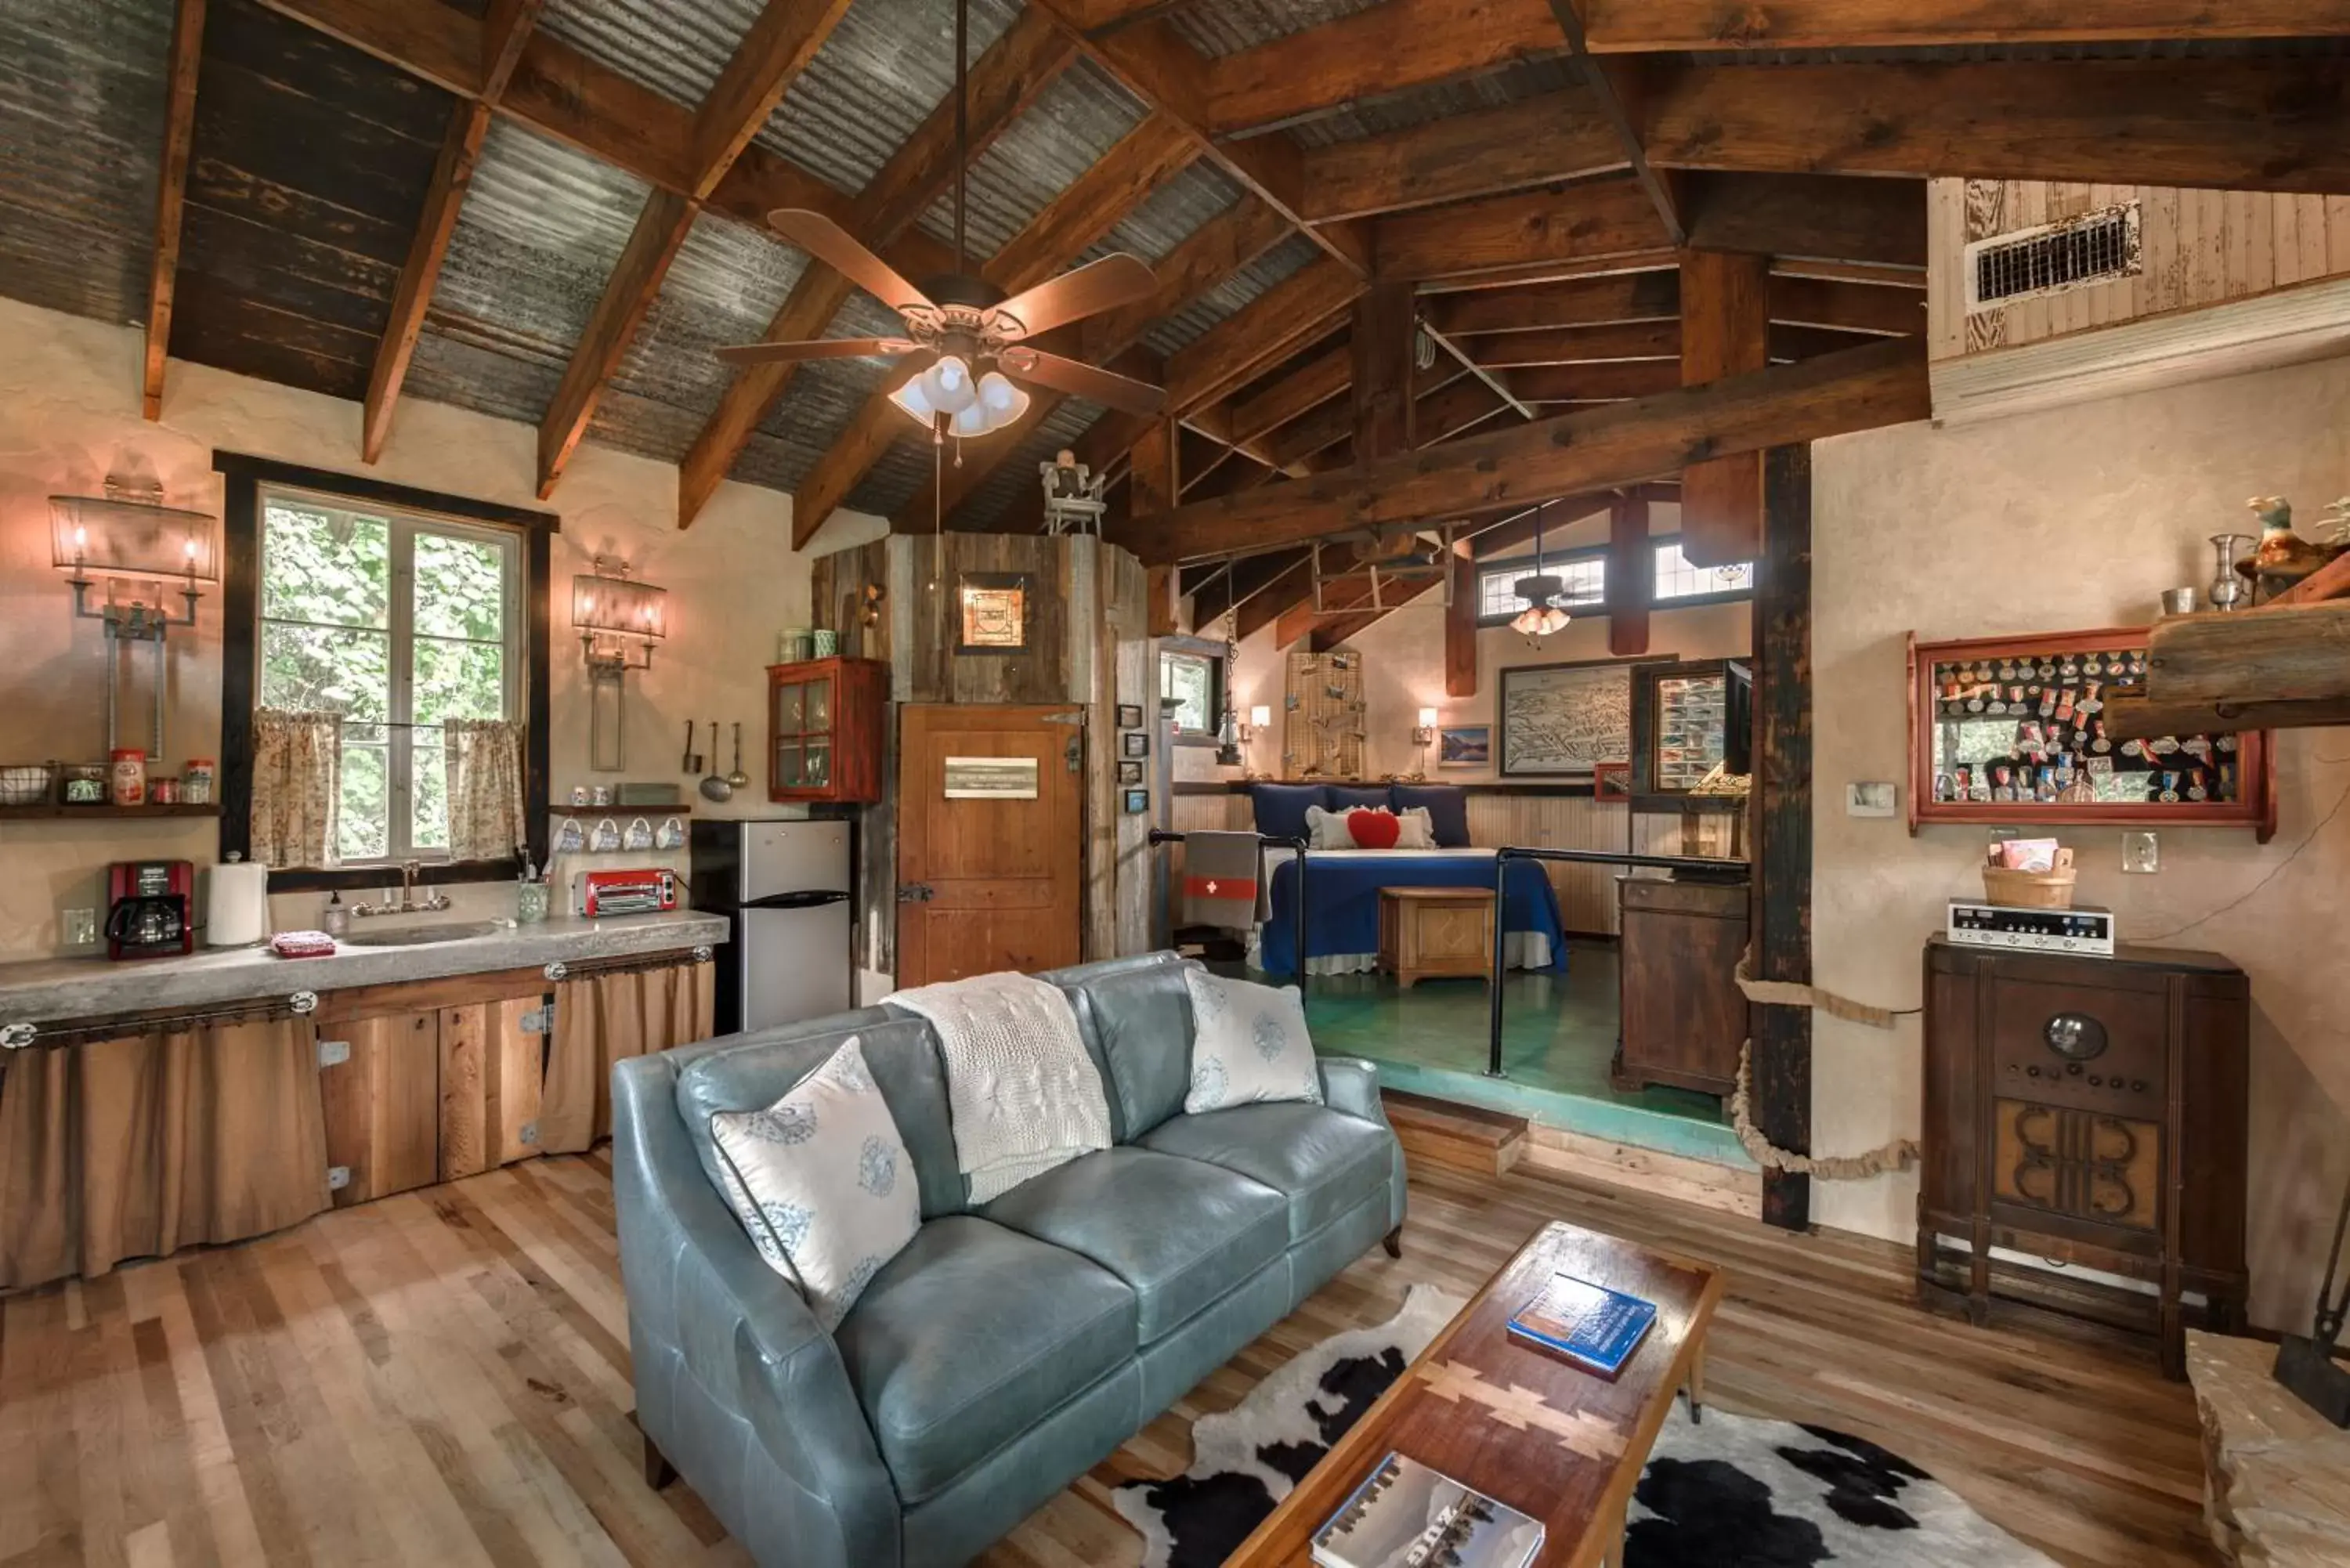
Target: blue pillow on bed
pixel 1447 811
pixel 1360 797
pixel 1281 808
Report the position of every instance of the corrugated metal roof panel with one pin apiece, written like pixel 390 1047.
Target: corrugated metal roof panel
pixel 1400 111
pixel 1186 325
pixel 1171 214
pixel 824 396
pixel 676 47
pixel 535 245
pixel 890 485
pixel 81 127
pixel 1072 123
pixel 877 76
pixel 1228 26
pixel 465 363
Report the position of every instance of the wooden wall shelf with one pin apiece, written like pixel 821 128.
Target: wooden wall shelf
pixel 50 812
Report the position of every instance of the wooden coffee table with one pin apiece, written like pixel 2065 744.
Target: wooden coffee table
pixel 1526 1429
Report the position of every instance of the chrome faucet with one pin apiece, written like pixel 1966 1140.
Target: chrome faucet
pixel 408 903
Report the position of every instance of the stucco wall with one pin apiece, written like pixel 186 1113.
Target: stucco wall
pixel 2077 519
pixel 70 415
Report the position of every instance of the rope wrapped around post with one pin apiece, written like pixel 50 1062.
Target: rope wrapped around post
pixel 1899 1154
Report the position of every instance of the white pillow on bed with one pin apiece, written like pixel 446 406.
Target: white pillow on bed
pixel 1328 830
pixel 1416 830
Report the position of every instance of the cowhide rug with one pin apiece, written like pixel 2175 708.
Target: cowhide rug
pixel 1728 1491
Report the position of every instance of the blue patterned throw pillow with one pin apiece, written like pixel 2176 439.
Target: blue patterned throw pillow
pixel 814 1179
pixel 1250 1045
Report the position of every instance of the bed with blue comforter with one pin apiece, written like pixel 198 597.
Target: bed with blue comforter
pixel 1342 906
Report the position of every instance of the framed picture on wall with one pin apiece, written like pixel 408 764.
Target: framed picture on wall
pixel 1129 715
pixel 1564 720
pixel 1464 746
pixel 1130 772
pixel 1611 781
pixel 1137 801
pixel 1134 743
pixel 992 612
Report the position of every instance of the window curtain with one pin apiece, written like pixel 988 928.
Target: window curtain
pixel 297 761
pixel 485 810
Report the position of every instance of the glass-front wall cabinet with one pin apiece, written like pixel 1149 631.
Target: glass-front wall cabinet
pixel 825 730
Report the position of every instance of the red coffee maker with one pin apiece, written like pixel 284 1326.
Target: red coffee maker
pixel 150 909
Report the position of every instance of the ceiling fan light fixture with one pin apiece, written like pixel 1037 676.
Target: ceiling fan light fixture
pixel 949 386
pixel 914 401
pixel 999 396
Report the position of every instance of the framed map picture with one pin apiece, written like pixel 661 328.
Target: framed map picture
pixel 992 612
pixel 1564 720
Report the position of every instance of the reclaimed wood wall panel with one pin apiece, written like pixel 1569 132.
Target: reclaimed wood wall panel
pixel 2200 247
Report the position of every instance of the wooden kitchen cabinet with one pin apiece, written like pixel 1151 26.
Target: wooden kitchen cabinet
pixel 827 721
pixel 1684 1017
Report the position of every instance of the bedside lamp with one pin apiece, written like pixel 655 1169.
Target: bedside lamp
pixel 1424 736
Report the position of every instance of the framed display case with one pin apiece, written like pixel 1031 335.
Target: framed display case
pixel 2004 731
pixel 1687 718
pixel 825 730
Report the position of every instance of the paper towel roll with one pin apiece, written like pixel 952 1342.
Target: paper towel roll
pixel 236 909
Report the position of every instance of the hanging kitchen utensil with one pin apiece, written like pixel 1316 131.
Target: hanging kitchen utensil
pixel 714 786
pixel 690 764
pixel 738 778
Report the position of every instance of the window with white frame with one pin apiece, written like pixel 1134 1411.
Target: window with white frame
pixel 1583 574
pixel 399 621
pixel 1678 579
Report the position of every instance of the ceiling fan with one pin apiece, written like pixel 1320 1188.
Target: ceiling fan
pixel 965 346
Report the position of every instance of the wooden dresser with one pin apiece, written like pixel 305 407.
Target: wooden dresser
pixel 2089 1112
pixel 1684 1017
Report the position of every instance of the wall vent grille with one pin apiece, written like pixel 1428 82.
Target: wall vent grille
pixel 2096 247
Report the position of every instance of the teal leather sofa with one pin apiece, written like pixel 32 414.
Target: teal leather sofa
pixel 1010 1346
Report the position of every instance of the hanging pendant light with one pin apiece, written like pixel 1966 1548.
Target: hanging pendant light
pixel 1541 590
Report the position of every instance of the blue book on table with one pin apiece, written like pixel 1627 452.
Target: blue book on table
pixel 1594 1327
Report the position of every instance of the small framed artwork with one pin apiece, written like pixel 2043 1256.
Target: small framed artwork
pixel 1129 715
pixel 1611 781
pixel 1464 746
pixel 1130 772
pixel 992 612
pixel 1137 801
pixel 1134 743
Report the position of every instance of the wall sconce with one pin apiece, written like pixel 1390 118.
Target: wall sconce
pixel 618 620
pixel 1423 735
pixel 1260 719
pixel 142 551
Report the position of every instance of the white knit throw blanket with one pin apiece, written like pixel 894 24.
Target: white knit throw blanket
pixel 1023 1094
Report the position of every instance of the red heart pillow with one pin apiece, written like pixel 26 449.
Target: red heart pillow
pixel 1374 829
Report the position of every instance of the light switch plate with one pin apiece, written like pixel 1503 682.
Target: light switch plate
pixel 1871 798
pixel 2141 852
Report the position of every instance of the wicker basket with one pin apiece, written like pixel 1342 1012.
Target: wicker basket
pixel 2051 889
pixel 25 783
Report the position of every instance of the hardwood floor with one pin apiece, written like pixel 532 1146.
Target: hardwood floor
pixel 443 1379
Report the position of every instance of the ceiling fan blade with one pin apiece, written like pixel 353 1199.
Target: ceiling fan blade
pixel 815 349
pixel 829 243
pixel 1097 286
pixel 1085 381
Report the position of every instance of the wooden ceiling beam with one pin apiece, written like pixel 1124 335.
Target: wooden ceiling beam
pixel 780 41
pixel 1618 89
pixel 505 30
pixel 1653 295
pixel 186 60
pixel 2261 124
pixel 1600 219
pixel 1383 48
pixel 1486 152
pixel 1617 27
pixel 1608 382
pixel 1065 230
pixel 1725 331
pixel 1861 389
pixel 1263 609
pixel 1027 57
pixel 1204 261
pixel 1881 222
pixel 1577 345
pixel 1312 383
pixel 1846 307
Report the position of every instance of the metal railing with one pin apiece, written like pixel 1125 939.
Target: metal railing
pixel 1716 869
pixel 1263 841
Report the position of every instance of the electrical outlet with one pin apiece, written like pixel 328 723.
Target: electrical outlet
pixel 80 928
pixel 2141 852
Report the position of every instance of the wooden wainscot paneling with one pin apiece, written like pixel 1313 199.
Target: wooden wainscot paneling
pixel 2197 248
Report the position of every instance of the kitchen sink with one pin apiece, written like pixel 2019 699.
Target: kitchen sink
pixel 412 936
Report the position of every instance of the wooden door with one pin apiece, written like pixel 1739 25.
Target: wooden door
pixel 990 877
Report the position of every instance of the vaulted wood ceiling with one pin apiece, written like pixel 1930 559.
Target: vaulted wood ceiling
pixel 551 210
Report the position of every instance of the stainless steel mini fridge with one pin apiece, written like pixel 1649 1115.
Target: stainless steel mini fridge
pixel 787 887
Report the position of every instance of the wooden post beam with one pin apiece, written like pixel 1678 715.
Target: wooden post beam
pixel 1781 1092
pixel 171 195
pixel 1381 347
pixel 1859 388
pixel 1725 331
pixel 1461 624
pixel 1631 575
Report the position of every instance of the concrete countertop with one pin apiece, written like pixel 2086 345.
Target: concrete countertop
pixel 50 991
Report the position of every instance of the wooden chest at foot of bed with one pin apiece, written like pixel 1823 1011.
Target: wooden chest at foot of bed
pixel 1427 932
pixel 1683 1014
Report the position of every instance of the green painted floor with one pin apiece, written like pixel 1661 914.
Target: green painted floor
pixel 1558 1035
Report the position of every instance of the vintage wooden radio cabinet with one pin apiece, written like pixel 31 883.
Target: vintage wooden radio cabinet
pixel 2089 1112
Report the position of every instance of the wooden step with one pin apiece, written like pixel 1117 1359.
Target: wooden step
pixel 1457 1137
